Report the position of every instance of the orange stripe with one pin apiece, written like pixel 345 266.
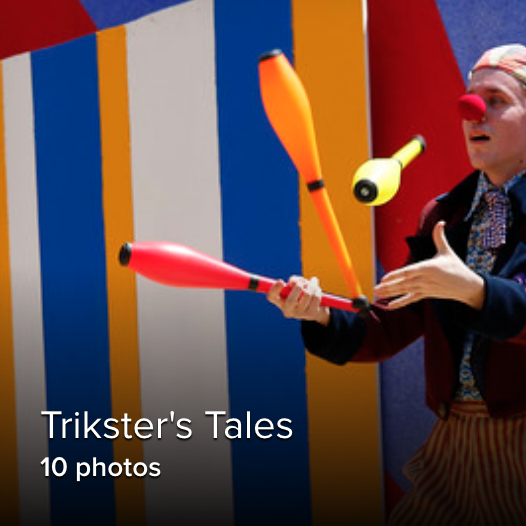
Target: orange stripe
pixel 122 302
pixel 8 451
pixel 343 402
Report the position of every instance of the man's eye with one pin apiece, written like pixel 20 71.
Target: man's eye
pixel 496 101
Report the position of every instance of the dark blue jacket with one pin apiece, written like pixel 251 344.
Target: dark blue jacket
pixel 499 353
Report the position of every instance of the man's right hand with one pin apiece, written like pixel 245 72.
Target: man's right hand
pixel 303 302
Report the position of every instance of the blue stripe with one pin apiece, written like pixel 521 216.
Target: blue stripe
pixel 266 358
pixel 69 184
pixel 117 12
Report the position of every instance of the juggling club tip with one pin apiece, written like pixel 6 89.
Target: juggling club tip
pixel 362 305
pixel 421 140
pixel 125 254
pixel 270 54
pixel 365 191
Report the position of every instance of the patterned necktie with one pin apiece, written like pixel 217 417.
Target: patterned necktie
pixel 495 235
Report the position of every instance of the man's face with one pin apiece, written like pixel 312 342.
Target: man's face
pixel 497 144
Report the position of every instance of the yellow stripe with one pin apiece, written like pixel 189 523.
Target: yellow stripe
pixel 122 304
pixel 329 45
pixel 8 451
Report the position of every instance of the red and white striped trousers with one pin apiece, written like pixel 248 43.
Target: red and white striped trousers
pixel 470 472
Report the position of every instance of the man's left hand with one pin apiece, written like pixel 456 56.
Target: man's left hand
pixel 443 276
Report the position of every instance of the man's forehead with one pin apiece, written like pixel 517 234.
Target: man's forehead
pixel 492 81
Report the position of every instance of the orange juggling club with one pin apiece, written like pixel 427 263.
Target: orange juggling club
pixel 181 266
pixel 288 110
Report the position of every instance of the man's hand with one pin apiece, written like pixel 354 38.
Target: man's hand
pixel 444 276
pixel 303 302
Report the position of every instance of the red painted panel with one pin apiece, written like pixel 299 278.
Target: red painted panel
pixel 415 83
pixel 26 25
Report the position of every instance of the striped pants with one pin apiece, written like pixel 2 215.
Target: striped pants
pixel 470 472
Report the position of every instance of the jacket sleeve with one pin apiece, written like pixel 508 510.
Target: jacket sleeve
pixel 376 337
pixel 503 315
pixel 339 341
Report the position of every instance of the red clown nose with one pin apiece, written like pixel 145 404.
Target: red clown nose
pixel 471 107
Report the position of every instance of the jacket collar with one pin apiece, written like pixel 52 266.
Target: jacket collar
pixel 461 197
pixel 454 206
pixel 514 251
pixel 517 196
pixel 457 202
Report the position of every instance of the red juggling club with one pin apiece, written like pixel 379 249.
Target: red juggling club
pixel 181 266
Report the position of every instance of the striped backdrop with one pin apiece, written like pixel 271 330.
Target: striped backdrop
pixel 155 131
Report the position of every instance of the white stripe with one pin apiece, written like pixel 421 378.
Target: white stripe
pixel 176 192
pixel 26 290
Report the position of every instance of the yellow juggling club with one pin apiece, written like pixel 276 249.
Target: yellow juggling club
pixel 378 180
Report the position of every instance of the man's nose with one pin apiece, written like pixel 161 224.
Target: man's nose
pixel 472 108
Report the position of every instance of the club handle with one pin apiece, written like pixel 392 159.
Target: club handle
pixel 359 304
pixel 334 234
pixel 411 150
